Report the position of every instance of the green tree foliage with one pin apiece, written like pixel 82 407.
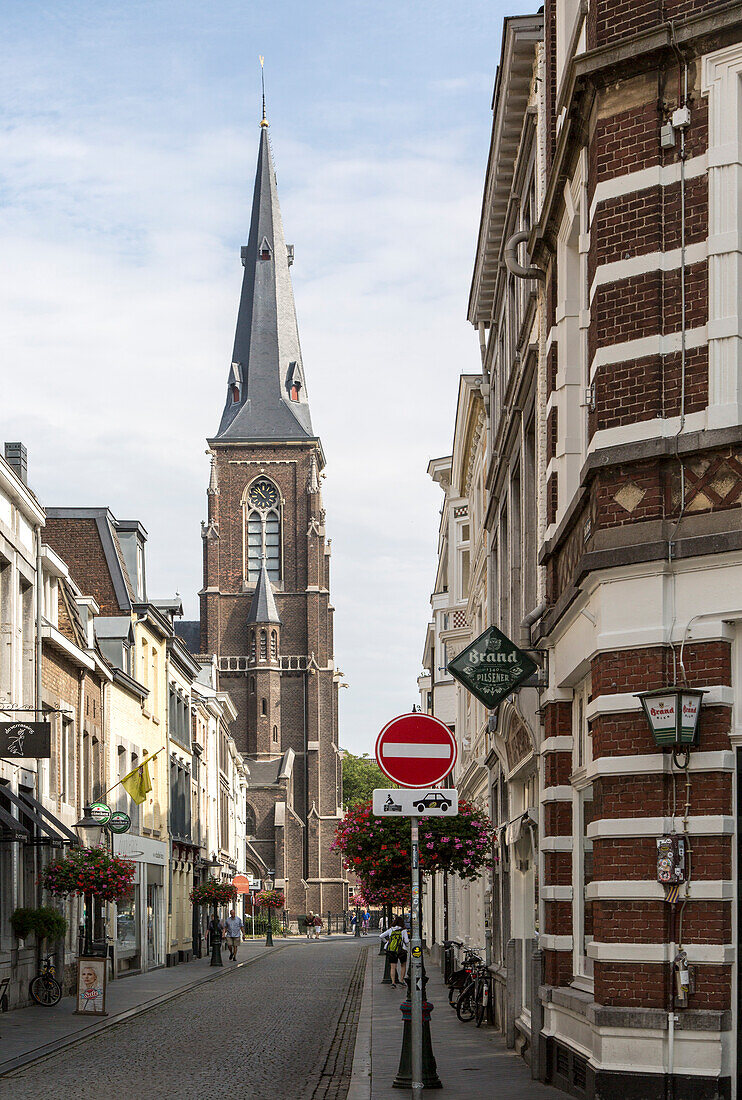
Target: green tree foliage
pixel 361 775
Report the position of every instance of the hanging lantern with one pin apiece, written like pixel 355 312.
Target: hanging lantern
pixel 672 714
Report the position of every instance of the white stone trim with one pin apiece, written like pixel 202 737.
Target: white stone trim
pixel 657 344
pixel 716 695
pixel 720 81
pixel 650 890
pixel 651 261
pixel 557 893
pixel 656 176
pixel 715 953
pixel 612 828
pixel 547 942
pixel 557 794
pixel 657 764
pixel 641 430
pixel 555 843
pixel 557 744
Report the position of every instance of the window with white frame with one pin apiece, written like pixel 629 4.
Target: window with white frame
pixel 582 852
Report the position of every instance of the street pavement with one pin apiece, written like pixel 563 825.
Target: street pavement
pixel 282 1025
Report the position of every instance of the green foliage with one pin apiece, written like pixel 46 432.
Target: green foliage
pixel 361 775
pixel 47 923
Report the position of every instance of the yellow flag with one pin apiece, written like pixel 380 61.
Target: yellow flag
pixel 138 784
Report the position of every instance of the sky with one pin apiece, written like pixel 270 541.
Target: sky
pixel 128 143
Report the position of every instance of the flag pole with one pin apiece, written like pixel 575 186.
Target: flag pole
pixel 141 764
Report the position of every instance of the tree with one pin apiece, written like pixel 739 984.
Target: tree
pixel 361 775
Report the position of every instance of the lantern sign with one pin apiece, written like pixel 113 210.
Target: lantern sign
pixel 100 813
pixel 672 714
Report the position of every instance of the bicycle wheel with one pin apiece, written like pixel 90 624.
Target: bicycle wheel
pixel 466 1005
pixel 481 1010
pixel 46 991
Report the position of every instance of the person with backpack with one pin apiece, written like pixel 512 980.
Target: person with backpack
pixel 397 944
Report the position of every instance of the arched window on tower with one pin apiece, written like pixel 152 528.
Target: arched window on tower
pixel 261 502
pixel 235 393
pixel 275 735
pixel 252 685
pixel 274 645
pixel 250 820
pixel 263 645
pixel 264 707
pixel 252 647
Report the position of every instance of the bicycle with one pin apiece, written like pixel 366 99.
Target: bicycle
pixel 484 997
pixel 466 1006
pixel 44 988
pixel 460 978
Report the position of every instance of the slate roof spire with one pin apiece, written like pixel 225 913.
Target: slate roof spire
pixel 266 391
pixel 263 606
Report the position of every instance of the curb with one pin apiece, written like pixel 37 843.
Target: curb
pixel 8 1068
pixel 360 1081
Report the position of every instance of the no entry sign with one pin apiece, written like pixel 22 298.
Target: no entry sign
pixel 416 750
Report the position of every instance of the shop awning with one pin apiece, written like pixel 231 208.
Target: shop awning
pixel 13 825
pixel 45 821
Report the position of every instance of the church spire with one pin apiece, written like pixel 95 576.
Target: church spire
pixel 263 606
pixel 266 392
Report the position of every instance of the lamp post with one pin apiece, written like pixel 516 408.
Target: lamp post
pixel 269 933
pixel 91 829
pixel 216 928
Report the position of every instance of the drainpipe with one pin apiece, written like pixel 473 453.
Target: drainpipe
pixel 511 258
pixel 526 624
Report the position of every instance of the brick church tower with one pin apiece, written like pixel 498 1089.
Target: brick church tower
pixel 265 603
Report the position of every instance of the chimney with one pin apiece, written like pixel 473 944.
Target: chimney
pixel 16 456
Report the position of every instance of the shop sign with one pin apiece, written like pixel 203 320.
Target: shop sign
pixel 91 986
pixel 491 667
pixel 119 822
pixel 30 740
pixel 100 813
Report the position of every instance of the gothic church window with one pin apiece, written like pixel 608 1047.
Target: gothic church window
pixel 274 645
pixel 264 707
pixel 263 646
pixel 252 648
pixel 275 734
pixel 262 504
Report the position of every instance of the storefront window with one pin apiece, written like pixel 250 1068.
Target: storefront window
pixel 127 933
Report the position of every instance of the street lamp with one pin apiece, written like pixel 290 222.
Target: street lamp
pixel 672 714
pixel 92 833
pixel 216 929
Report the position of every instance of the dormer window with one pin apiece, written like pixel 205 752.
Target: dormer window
pixel 235 392
pixel 294 382
pixel 295 387
pixel 266 251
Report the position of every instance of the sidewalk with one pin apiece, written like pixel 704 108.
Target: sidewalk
pixel 30 1033
pixel 470 1060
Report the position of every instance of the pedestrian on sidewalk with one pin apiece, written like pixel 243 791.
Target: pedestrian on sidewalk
pixel 366 922
pixel 397 944
pixel 309 924
pixel 317 926
pixel 233 927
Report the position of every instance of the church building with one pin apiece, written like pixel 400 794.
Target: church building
pixel 265 603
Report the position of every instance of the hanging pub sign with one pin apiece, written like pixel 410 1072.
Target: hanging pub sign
pixel 119 822
pixel 100 813
pixel 26 740
pixel 672 714
pixel 491 667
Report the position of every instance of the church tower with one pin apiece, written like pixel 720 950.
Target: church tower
pixel 265 602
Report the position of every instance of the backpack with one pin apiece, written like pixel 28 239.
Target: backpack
pixel 395 941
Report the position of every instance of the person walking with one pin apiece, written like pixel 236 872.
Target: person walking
pixel 233 928
pixel 309 924
pixel 366 922
pixel 397 945
pixel 317 926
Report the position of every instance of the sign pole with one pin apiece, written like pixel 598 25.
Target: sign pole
pixel 416 984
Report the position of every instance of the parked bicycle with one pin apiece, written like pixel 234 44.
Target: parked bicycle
pixel 473 995
pixel 45 989
pixel 460 978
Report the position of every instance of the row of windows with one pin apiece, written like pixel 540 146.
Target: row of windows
pixel 264 645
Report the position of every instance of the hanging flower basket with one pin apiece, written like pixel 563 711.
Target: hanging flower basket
pixel 212 892
pixel 270 899
pixel 89 871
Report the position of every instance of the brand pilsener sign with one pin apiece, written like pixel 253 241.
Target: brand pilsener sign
pixel 491 667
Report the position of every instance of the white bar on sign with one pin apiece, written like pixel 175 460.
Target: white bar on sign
pixel 401 748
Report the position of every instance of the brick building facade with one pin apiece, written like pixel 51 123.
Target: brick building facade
pixel 265 603
pixel 629 259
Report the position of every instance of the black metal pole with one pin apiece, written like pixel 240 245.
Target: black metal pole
pixel 269 933
pixel 216 939
pixel 358 921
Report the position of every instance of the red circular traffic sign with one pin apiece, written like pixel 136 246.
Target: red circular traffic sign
pixel 416 750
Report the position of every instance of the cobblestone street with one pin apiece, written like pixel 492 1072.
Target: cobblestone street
pixel 286 1022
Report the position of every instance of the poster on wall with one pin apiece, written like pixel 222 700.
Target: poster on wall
pixel 91 987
